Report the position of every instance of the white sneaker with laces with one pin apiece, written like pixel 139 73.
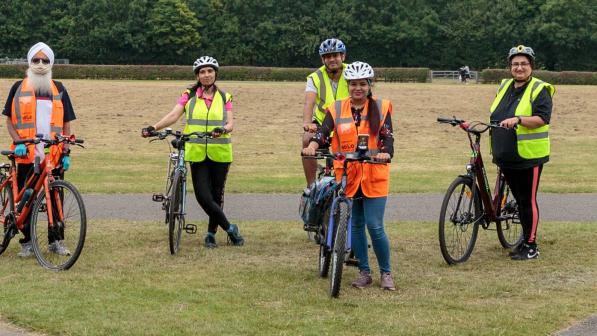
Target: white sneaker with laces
pixel 58 247
pixel 26 250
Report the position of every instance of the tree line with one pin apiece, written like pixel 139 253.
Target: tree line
pixel 439 34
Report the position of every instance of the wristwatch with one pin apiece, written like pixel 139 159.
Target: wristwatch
pixel 519 120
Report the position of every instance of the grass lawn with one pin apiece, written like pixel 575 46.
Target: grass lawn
pixel 126 283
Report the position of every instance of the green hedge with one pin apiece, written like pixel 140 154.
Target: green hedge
pixel 177 72
pixel 564 77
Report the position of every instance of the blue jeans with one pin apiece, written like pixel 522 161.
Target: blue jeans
pixel 370 212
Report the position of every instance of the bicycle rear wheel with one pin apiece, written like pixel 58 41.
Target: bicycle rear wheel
pixel 339 249
pixel 8 220
pixel 324 253
pixel 508 226
pixel 459 221
pixel 58 246
pixel 175 217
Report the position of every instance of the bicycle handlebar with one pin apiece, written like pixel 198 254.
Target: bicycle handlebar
pixel 470 127
pixel 71 140
pixel 320 155
pixel 161 135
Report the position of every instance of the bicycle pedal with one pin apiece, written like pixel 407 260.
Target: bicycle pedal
pixel 190 228
pixel 352 262
pixel 157 198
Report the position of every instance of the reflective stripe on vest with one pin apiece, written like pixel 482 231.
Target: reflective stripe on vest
pixel 531 143
pixel 325 95
pixel 373 179
pixel 200 118
pixel 23 117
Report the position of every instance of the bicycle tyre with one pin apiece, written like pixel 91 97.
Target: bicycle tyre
pixel 509 231
pixel 175 218
pixel 339 249
pixel 8 226
pixel 458 227
pixel 72 230
pixel 324 253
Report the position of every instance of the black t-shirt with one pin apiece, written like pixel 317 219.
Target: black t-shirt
pixel 503 141
pixel 69 113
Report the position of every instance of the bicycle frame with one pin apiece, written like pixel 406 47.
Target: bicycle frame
pixel 182 168
pixel 36 181
pixel 476 171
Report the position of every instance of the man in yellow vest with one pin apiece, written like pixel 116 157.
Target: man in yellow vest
pixel 38 105
pixel 523 105
pixel 324 86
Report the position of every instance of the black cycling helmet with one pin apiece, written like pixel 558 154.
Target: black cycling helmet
pixel 522 50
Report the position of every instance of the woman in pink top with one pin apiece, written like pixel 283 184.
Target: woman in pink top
pixel 209 167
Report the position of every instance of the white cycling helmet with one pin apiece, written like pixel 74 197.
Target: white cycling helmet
pixel 204 61
pixel 358 70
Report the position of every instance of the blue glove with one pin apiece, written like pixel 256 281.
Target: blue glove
pixel 66 163
pixel 21 150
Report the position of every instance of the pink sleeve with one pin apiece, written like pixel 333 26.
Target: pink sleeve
pixel 184 98
pixel 228 106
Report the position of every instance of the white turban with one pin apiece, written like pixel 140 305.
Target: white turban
pixel 40 46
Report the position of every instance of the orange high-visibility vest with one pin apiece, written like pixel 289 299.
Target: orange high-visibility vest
pixel 372 178
pixel 23 116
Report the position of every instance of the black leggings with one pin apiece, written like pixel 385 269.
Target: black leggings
pixel 524 184
pixel 209 180
pixel 24 171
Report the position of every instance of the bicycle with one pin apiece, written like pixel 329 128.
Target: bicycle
pixel 314 208
pixel 174 199
pixel 44 193
pixel 468 203
pixel 337 243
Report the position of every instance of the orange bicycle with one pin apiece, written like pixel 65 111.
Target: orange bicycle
pixel 53 207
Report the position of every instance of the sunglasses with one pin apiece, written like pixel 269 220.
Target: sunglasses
pixel 38 60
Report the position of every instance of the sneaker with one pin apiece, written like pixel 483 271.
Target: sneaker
pixel 526 252
pixel 364 280
pixel 26 250
pixel 387 282
pixel 515 250
pixel 210 241
pixel 58 247
pixel 234 236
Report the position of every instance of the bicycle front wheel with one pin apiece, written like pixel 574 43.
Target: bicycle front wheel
pixel 459 221
pixel 9 227
pixel 508 226
pixel 175 216
pixel 339 249
pixel 58 245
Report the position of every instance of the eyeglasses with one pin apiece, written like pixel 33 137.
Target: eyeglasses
pixel 522 64
pixel 38 60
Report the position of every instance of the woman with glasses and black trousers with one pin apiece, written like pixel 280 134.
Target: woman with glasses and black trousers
pixel 523 106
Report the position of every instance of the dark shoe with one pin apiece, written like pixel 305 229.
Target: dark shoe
pixel 210 241
pixel 387 282
pixel 364 280
pixel 526 252
pixel 234 236
pixel 515 250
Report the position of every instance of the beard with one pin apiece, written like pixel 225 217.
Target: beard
pixel 41 82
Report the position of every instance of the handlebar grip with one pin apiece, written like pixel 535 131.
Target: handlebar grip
pixel 79 141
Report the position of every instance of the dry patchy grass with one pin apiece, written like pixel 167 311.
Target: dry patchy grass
pixel 267 134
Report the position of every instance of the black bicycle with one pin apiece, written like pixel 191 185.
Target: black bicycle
pixel 468 203
pixel 174 199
